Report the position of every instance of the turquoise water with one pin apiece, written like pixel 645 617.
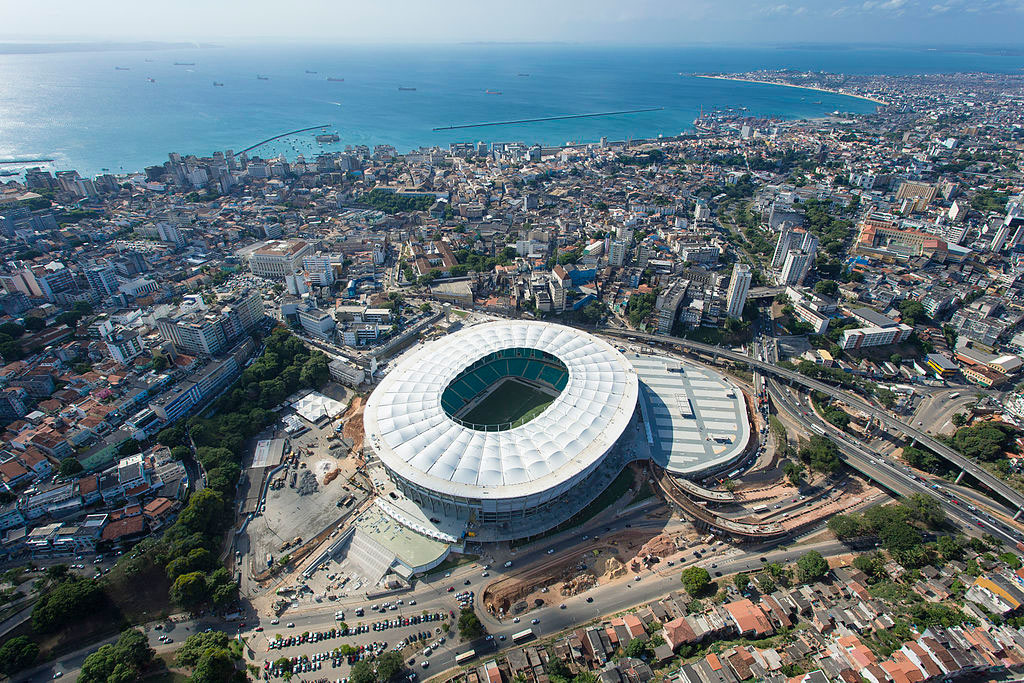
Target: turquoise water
pixel 85 114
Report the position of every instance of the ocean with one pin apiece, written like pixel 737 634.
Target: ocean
pixel 87 114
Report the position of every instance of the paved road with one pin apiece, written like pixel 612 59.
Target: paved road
pixel 997 486
pixel 897 478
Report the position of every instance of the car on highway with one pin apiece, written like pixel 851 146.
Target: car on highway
pixel 515 620
pixel 275 621
pixel 590 599
pixel 535 621
pixel 562 606
pixel 290 624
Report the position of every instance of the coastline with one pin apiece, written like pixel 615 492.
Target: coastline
pixel 790 85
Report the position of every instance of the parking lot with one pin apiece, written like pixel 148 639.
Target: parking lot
pixel 419 635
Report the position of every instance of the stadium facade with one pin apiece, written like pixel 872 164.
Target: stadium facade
pixel 506 425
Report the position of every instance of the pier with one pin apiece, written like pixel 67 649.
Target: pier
pixel 284 135
pixel 548 118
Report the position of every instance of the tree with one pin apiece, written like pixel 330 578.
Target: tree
pixel 925 510
pixel 12 330
pixel 160 363
pixel 950 547
pixel 959 419
pixel 34 324
pixel 636 648
pixel 695 580
pixel 189 590
pixel 897 537
pixel 872 565
pixel 122 662
pixel 195 645
pixel 389 666
pixel 741 581
pixel 216 665
pixel 362 672
pixel 911 311
pixel 469 625
pixel 425 307
pixel 73 599
pixel 70 466
pixel 766 584
pixel 827 287
pixel 811 567
pixel 68 318
pixel 845 526
pixel 16 654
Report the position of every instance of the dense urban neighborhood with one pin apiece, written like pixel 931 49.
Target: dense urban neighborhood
pixel 745 403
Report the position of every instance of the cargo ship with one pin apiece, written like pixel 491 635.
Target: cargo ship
pixel 327 137
pixel 492 92
pixel 262 78
pixel 217 85
pixel 406 89
pixel 122 68
pixel 336 80
pixel 310 72
pixel 184 64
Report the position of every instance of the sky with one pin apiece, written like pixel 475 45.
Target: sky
pixel 662 22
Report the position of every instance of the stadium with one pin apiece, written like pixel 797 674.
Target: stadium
pixel 505 426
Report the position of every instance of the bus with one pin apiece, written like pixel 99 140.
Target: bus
pixel 523 635
pixel 760 509
pixel 465 657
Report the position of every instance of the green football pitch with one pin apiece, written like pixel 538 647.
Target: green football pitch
pixel 511 402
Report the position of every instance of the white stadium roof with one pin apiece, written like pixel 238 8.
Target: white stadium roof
pixel 414 437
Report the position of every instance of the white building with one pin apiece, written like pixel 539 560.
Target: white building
pixel 795 268
pixel 739 285
pixel 278 258
pixel 125 347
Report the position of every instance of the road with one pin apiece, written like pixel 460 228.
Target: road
pixel 997 486
pixel 897 478
pixel 937 408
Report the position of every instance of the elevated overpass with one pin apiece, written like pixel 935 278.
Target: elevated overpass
pixel 997 486
pixel 675 493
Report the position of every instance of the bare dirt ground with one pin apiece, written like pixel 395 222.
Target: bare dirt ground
pixel 353 421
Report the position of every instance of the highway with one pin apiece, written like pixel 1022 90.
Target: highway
pixel 897 478
pixel 997 486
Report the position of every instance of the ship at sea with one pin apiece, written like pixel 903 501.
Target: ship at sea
pixel 217 85
pixel 310 72
pixel 408 89
pixel 327 137
pixel 262 78
pixel 122 68
pixel 492 92
pixel 151 80
pixel 335 80
pixel 184 64
pixel 523 75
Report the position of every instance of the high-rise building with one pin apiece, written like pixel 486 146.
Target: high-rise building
pixel 54 279
pixel 791 238
pixel 103 279
pixel 319 272
pixel 795 268
pixel 739 285
pixel 210 331
pixel 617 253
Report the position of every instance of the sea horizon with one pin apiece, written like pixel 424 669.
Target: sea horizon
pixel 119 111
